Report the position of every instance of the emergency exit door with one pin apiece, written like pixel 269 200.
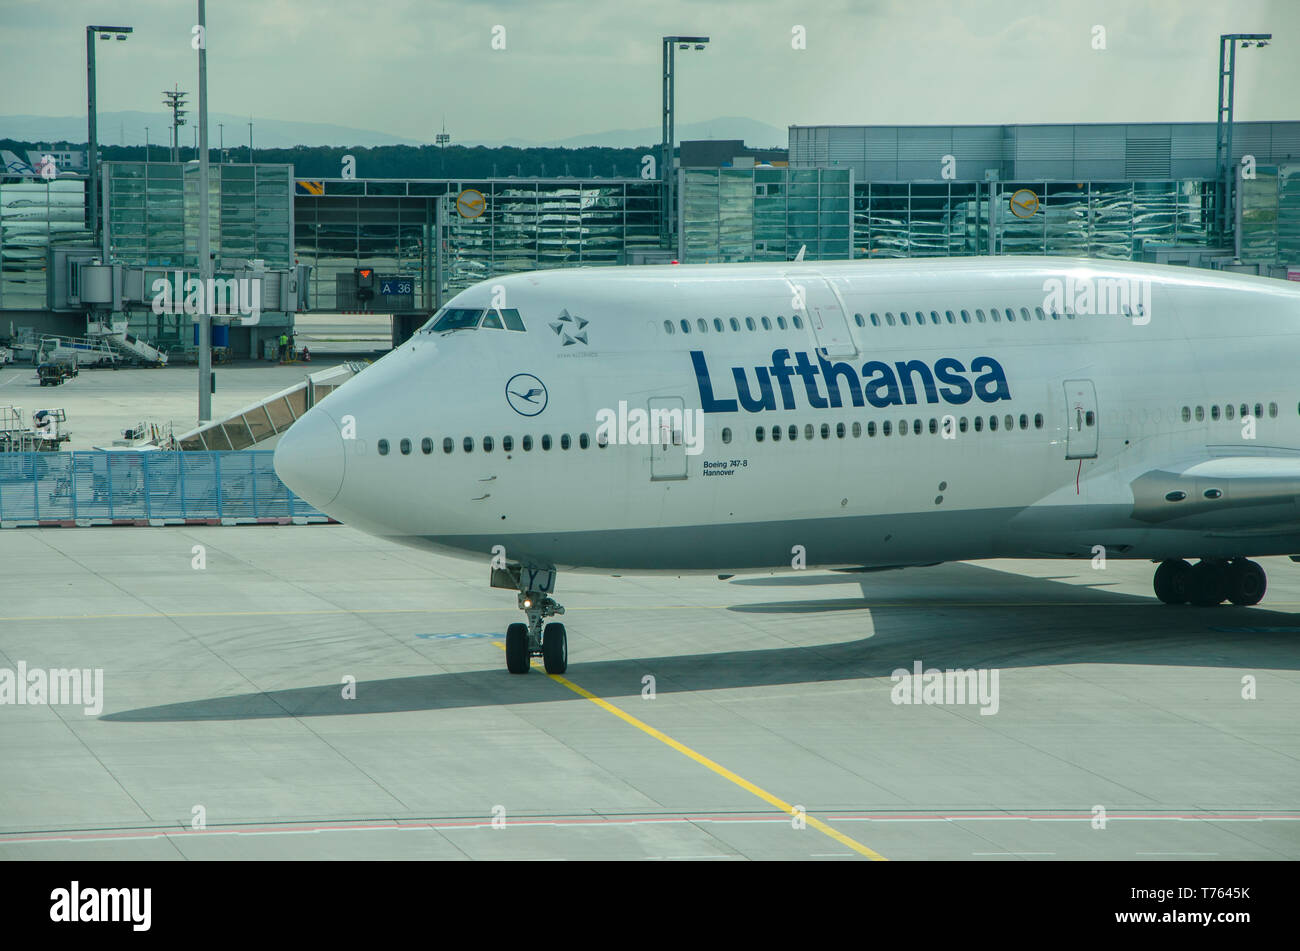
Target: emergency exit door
pixel 1081 419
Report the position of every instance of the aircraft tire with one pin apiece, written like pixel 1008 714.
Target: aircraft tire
pixel 1170 581
pixel 555 648
pixel 1246 582
pixel 517 660
pixel 1207 583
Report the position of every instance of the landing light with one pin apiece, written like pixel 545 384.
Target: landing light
pixel 527 603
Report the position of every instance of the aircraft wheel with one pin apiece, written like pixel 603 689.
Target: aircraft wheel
pixel 1170 581
pixel 555 648
pixel 1246 582
pixel 1207 583
pixel 517 660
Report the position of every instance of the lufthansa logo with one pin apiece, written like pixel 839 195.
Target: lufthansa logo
pixel 526 394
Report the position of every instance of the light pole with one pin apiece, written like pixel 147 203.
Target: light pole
pixel 92 136
pixel 146 145
pixel 206 380
pixel 670 44
pixel 250 141
pixel 1223 125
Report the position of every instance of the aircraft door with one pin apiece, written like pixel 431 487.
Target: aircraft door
pixel 667 438
pixel 1081 419
pixel 816 300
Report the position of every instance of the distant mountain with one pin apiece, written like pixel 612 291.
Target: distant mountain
pixel 128 128
pixel 755 134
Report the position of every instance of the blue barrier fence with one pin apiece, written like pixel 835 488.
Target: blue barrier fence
pixel 54 486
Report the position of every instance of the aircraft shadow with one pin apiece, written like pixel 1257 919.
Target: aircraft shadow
pixel 953 616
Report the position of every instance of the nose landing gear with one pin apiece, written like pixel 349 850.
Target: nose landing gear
pixel 1210 581
pixel 536 638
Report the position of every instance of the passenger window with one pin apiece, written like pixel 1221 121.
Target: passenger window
pixel 546 442
pixel 952 319
pixel 767 324
pixel 1038 312
pixel 565 442
pixel 979 424
pixel 1259 410
pixel 889 318
pixel 1228 411
pixel 468 444
pixel 808 431
pixel 871 428
pixel 717 324
pixel 1089 418
pixel 686 326
pixel 857 319
pixel 487 443
pixel 668 327
pixel 1024 420
pixel 963 424
pixel 839 428
pixel 780 322
pixel 997 317
pixel 426 445
pixel 776 434
pixel 886 428
pixel 448 444
pixel 1200 413
pixel 1187 414
pixel 875 320
pixel 857 430
pixel 934 425
pixel 965 316
pixel 382 446
pixel 1038 420
pixel 934 317
pixel 759 433
pixel 794 432
pixel 993 424
pixel 749 323
pixel 1214 411
pixel 1011 315
pixel 979 314
pixel 735 324
pixel 726 435
pixel 507 443
pixel 797 321
pixel 826 430
pixel 903 319
pixel 527 443
pixel 703 325
pixel 1272 410
pixel 1024 314
pixel 1008 422
pixel 405 447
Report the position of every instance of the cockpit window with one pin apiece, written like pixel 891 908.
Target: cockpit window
pixel 467 318
pixel 456 318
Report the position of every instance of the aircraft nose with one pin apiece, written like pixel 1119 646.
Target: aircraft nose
pixel 309 458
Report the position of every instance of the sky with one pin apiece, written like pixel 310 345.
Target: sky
pixel 570 67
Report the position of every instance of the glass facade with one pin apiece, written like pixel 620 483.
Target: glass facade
pixel 33 216
pixel 768 214
pixel 154 213
pixel 524 225
pixel 1270 215
pixel 1090 219
pixel 764 214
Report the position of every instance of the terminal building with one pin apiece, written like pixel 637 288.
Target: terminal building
pixel 1123 191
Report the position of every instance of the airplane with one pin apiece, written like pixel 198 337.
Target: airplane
pixel 851 415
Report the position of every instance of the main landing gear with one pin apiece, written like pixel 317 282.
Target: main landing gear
pixel 536 638
pixel 1210 581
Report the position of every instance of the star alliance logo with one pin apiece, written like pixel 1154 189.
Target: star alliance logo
pixel 570 328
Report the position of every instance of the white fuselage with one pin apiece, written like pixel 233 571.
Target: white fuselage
pixel 954 437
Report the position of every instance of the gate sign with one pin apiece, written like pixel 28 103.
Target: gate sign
pixel 396 287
